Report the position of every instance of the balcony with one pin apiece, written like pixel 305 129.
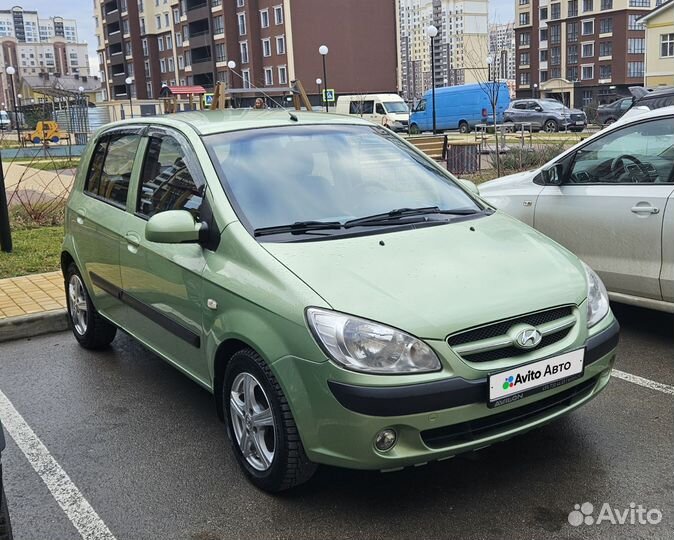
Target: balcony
pixel 115 49
pixel 111 7
pixel 199 33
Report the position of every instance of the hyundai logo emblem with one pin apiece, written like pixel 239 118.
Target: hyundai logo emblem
pixel 528 338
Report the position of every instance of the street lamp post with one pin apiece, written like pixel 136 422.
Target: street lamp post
pixel 10 72
pixel 128 82
pixel 319 82
pixel 535 90
pixel 431 32
pixel 323 51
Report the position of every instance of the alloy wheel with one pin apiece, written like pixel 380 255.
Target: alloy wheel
pixel 78 304
pixel 252 421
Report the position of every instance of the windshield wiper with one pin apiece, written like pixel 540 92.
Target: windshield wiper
pixel 394 216
pixel 298 227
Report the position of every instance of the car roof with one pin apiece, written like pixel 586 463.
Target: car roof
pixel 658 93
pixel 210 122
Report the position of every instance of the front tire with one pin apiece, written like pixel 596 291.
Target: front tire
pixel 260 425
pixel 90 329
pixel 464 127
pixel 550 126
pixel 414 130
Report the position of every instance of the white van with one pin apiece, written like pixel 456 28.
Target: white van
pixel 389 110
pixel 5 122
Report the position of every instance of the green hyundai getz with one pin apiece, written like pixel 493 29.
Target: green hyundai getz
pixel 345 299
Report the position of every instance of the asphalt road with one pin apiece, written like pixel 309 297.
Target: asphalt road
pixel 145 448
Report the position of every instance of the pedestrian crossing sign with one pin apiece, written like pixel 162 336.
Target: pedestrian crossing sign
pixel 329 95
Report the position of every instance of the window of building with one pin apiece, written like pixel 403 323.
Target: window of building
pixel 169 43
pixel 572 32
pixel 282 75
pixel 555 33
pixel 243 48
pixel 147 68
pixel 181 62
pixel 588 5
pixel 666 45
pixel 635 69
pixel 179 40
pixel 587 97
pixel 605 71
pixel 524 2
pixel 157 20
pixel 264 18
pixel 572 73
pixel 525 39
pixel 636 45
pixel 606 25
pixel 166 182
pixel 162 65
pixel 524 78
pixel 240 3
pixel 633 22
pixel 573 8
pixel 556 10
pixel 544 14
pixel 171 64
pixel 588 27
pixel 266 47
pixel 525 58
pixel 219 25
pixel 241 18
pixel 555 72
pixel 605 48
pixel 142 25
pixel 160 43
pixel 110 169
pixel 543 75
pixel 544 55
pixel 268 76
pixel 587 72
pixel 167 20
pixel 556 56
pixel 176 16
pixel 220 52
pixel 587 50
pixel 606 4
pixel 280 45
pixel 524 18
pixel 544 34
pixel 245 75
pixel 640 3
pixel 278 15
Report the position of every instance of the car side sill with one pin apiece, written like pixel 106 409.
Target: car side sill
pixel 648 303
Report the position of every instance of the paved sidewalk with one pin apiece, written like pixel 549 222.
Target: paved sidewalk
pixel 27 295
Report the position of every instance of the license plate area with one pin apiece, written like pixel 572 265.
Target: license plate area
pixel 517 383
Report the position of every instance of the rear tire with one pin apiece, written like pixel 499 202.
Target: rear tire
pixel 260 425
pixel 609 121
pixel 414 130
pixel 464 127
pixel 509 127
pixel 90 329
pixel 5 523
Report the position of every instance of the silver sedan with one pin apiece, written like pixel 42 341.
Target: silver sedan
pixel 609 200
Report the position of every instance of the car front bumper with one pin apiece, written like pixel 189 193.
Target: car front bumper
pixel 338 422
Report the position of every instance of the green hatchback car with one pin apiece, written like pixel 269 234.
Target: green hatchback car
pixel 346 300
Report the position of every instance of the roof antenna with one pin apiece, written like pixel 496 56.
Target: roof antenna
pixel 232 64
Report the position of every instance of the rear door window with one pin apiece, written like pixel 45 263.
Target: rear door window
pixel 167 182
pixel 110 168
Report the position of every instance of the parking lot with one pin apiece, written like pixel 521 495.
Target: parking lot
pixel 142 444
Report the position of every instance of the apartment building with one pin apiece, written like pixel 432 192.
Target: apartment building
pixel 34 45
pixel 659 25
pixel 273 42
pixel 583 52
pixel 460 48
pixel 502 51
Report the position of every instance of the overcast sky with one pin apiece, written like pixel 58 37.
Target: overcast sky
pixel 83 12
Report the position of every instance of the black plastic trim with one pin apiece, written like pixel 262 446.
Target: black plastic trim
pixel 603 343
pixel 411 399
pixel 148 311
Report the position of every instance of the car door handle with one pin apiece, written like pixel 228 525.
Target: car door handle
pixel 133 240
pixel 645 210
pixel 80 215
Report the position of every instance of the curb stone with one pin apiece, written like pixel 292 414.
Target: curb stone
pixel 32 325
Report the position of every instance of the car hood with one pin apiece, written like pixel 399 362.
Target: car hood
pixel 437 280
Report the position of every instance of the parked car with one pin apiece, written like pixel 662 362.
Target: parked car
pixel 459 107
pixel 5 122
pixel 5 524
pixel 645 100
pixel 389 110
pixel 610 200
pixel 610 112
pixel 346 300
pixel 546 114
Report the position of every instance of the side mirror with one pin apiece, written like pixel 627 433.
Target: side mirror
pixel 552 174
pixel 470 186
pixel 173 227
pixel 538 108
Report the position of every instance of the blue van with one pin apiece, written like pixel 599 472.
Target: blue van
pixel 459 107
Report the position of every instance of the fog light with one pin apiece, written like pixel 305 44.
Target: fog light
pixel 385 440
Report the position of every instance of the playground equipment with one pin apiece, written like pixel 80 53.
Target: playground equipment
pixel 45 130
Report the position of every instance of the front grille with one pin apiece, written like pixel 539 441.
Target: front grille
pixel 577 117
pixel 481 428
pixel 500 328
pixel 513 352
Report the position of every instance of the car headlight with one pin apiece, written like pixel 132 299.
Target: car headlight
pixel 597 297
pixel 370 347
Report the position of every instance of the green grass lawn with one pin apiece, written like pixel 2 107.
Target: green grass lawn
pixel 48 164
pixel 35 250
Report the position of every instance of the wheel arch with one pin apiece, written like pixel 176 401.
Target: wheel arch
pixel 223 355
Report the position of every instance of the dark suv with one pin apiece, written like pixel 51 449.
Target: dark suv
pixel 5 525
pixel 662 97
pixel 609 113
pixel 543 114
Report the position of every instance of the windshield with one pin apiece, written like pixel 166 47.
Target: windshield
pixel 286 175
pixel 396 107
